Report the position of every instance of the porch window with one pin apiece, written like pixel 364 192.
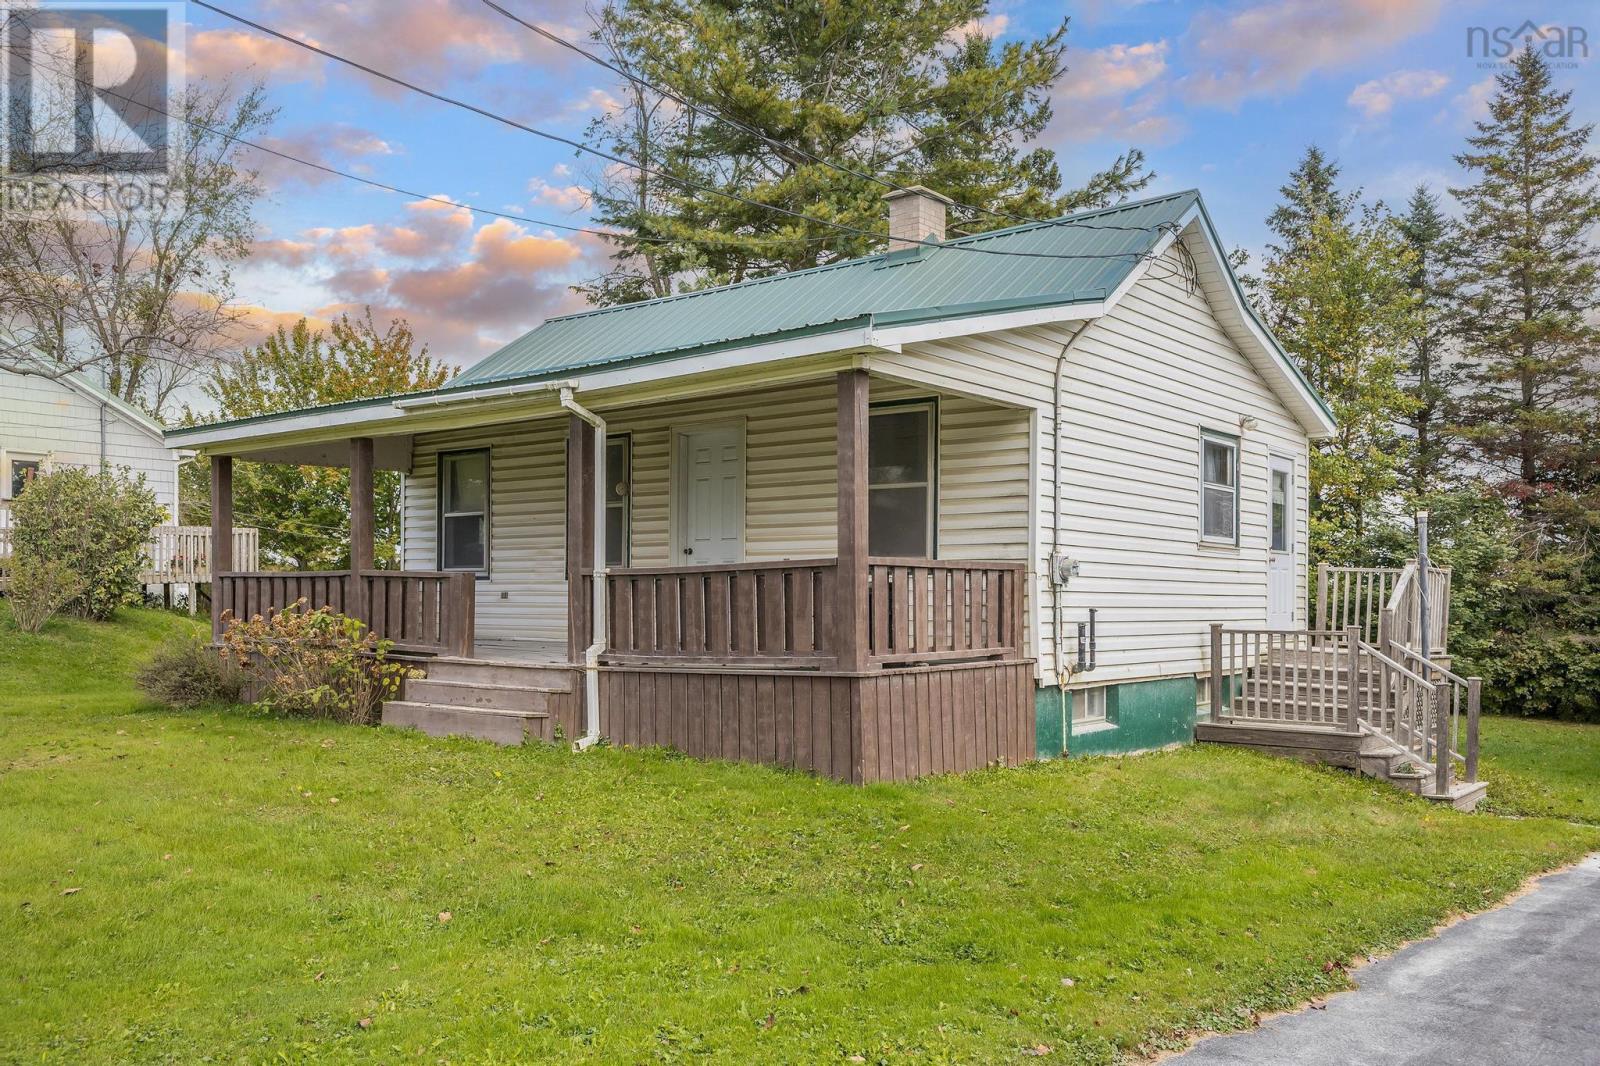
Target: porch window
pixel 900 480
pixel 1219 488
pixel 619 498
pixel 464 511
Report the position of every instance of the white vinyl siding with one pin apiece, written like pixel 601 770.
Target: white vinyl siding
pixel 1138 387
pixel 44 419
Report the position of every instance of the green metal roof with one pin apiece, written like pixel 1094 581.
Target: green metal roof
pixel 961 277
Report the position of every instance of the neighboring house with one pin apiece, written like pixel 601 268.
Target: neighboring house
pixel 47 424
pixel 856 518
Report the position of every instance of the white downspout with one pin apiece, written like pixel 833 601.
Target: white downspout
pixel 1063 675
pixel 597 610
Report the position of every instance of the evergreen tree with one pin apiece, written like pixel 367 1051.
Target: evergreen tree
pixel 899 90
pixel 1349 319
pixel 1312 192
pixel 304 511
pixel 1527 292
pixel 1433 377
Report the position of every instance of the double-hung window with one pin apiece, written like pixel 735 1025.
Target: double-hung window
pixel 900 480
pixel 21 475
pixel 464 511
pixel 1219 488
pixel 618 498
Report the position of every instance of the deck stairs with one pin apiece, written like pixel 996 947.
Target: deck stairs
pixel 501 701
pixel 1332 695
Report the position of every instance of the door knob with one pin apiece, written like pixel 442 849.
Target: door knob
pixel 688 551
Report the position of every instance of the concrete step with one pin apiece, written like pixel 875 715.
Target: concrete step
pixel 1463 795
pixel 521 675
pixel 501 727
pixel 477 694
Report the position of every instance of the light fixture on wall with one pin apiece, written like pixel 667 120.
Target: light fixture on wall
pixel 1248 423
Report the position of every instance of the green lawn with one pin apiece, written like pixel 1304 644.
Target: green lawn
pixel 225 886
pixel 1542 769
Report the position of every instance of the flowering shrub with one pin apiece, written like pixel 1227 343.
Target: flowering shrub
pixel 315 663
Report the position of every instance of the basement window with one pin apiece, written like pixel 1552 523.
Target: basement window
pixel 1219 488
pixel 464 511
pixel 1089 706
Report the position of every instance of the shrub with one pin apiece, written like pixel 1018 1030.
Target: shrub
pixel 97 525
pixel 38 588
pixel 319 663
pixel 1540 675
pixel 190 673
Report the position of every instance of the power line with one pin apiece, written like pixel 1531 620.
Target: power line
pixel 640 167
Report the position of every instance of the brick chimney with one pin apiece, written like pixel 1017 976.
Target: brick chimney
pixel 915 214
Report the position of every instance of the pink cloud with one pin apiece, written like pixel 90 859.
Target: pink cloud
pixel 1376 98
pixel 1115 92
pixel 340 146
pixel 227 53
pixel 1272 47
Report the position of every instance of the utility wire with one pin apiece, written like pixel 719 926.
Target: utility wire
pixel 744 127
pixel 640 167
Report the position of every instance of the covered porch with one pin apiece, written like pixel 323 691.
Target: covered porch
pixel 855 665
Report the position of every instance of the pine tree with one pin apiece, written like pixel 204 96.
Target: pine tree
pixel 900 90
pixel 1526 270
pixel 1312 192
pixel 1433 376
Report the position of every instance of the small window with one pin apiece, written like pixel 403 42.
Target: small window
pixel 1089 706
pixel 900 481
pixel 1219 488
pixel 464 511
pixel 23 471
pixel 619 499
pixel 1281 535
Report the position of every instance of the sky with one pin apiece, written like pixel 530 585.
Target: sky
pixel 1223 97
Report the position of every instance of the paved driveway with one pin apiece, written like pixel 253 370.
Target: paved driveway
pixel 1520 985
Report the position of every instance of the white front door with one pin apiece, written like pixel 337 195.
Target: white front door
pixel 709 504
pixel 1280 545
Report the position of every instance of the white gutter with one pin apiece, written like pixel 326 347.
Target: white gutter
pixel 597 610
pixel 412 403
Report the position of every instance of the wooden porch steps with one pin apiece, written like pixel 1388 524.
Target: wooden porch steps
pixel 1364 753
pixel 502 702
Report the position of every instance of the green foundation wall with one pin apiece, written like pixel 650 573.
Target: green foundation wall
pixel 1140 715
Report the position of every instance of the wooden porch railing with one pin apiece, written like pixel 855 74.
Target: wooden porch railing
pixel 422 611
pixel 921 610
pixel 1371 598
pixel 179 554
pixel 778 613
pixel 783 614
pixel 1335 680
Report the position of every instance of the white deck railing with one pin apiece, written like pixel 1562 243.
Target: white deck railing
pixel 179 555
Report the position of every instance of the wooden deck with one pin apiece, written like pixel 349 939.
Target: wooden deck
pixel 1331 695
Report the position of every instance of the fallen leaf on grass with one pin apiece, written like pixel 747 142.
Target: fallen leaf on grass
pixel 71 891
pixel 365 1023
pixel 444 917
pixel 1067 982
pixel 1038 1050
pixel 769 1022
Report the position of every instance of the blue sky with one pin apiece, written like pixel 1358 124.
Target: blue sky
pixel 1223 97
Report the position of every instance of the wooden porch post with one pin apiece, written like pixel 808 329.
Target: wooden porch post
pixel 1218 714
pixel 361 537
pixel 221 534
pixel 580 533
pixel 850 619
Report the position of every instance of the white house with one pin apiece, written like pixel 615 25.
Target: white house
pixel 47 424
pixel 849 518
